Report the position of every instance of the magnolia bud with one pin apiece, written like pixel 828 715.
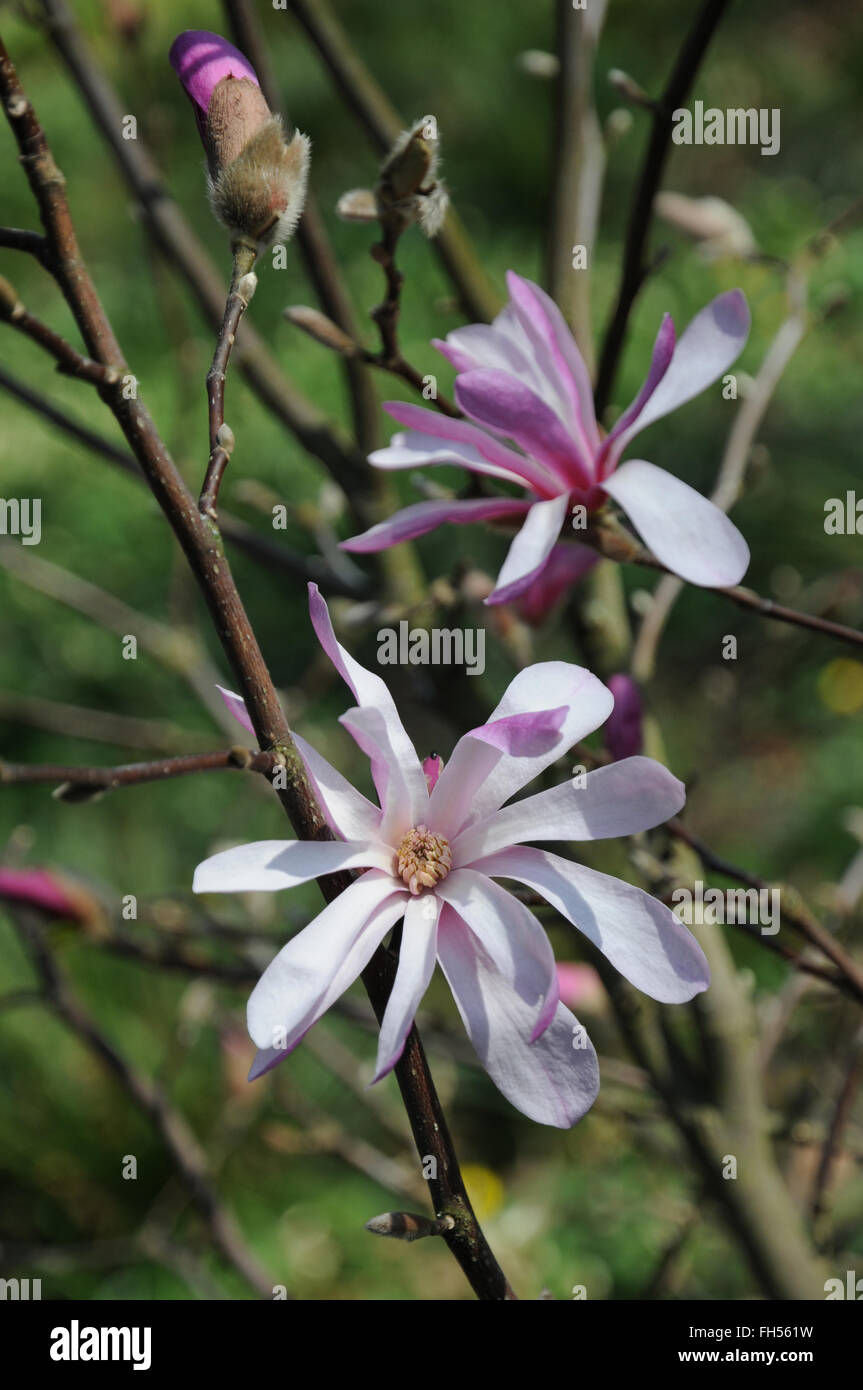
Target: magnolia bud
pixel 719 228
pixel 622 734
pixel 257 180
pixel 408 186
pixel 321 328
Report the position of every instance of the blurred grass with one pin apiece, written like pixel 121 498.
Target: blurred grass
pixel 771 767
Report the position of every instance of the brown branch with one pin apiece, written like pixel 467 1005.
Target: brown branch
pixel 79 783
pixel 635 265
pixel 797 917
pixel 69 361
pixel 610 538
pixel 21 239
pixel 382 124
pixel 201 543
pixel 851 1079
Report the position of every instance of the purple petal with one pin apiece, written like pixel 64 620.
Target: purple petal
pixel 470 447
pixel 267 866
pixel 417 955
pixel 201 59
pixel 557 354
pixel 422 517
pixel 619 799
pixel 237 707
pixel 511 937
pixel 554 1080
pixel 479 777
pixel 506 405
pixel 530 548
pixel 523 734
pixel 641 937
pixel 713 340
pixel 690 536
pixel 622 733
pixel 566 565
pixel 663 351
pixel 320 962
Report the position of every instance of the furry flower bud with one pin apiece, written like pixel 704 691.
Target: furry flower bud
pixel 256 178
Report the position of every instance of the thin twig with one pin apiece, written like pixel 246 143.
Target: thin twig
pixel 243 282
pixel 853 1074
pixel 382 124
pixel 76 782
pixel 579 166
pixel 186 1153
pixel 635 266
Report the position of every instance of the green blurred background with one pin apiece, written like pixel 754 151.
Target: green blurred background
pixel 770 745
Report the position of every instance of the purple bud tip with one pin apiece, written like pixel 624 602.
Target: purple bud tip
pixel 622 733
pixel 201 60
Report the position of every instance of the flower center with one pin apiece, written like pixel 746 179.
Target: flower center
pixel 424 858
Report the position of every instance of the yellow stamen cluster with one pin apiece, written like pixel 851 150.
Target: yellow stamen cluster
pixel 424 858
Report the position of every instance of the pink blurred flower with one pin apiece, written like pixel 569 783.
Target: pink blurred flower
pixel 432 858
pixel 523 380
pixel 47 891
pixel 622 734
pixel 580 986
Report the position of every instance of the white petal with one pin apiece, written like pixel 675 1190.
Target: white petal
pixel 417 955
pixel 624 797
pixel 266 866
pixel 691 536
pixel 640 936
pixel 349 813
pixel 554 1080
pixel 320 962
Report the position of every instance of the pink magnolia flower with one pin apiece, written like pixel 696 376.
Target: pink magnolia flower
pixel 523 380
pixel 48 891
pixel 580 986
pixel 432 852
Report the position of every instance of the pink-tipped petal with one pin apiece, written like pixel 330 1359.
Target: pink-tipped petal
pixel 236 706
pixel 554 1080
pixel 619 799
pixel 417 954
pixel 479 778
pixel 506 405
pixel 267 866
pixel 511 937
pixel 320 962
pixel 530 549
pixel 691 536
pixel 713 340
pixel 423 517
pixel 641 937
